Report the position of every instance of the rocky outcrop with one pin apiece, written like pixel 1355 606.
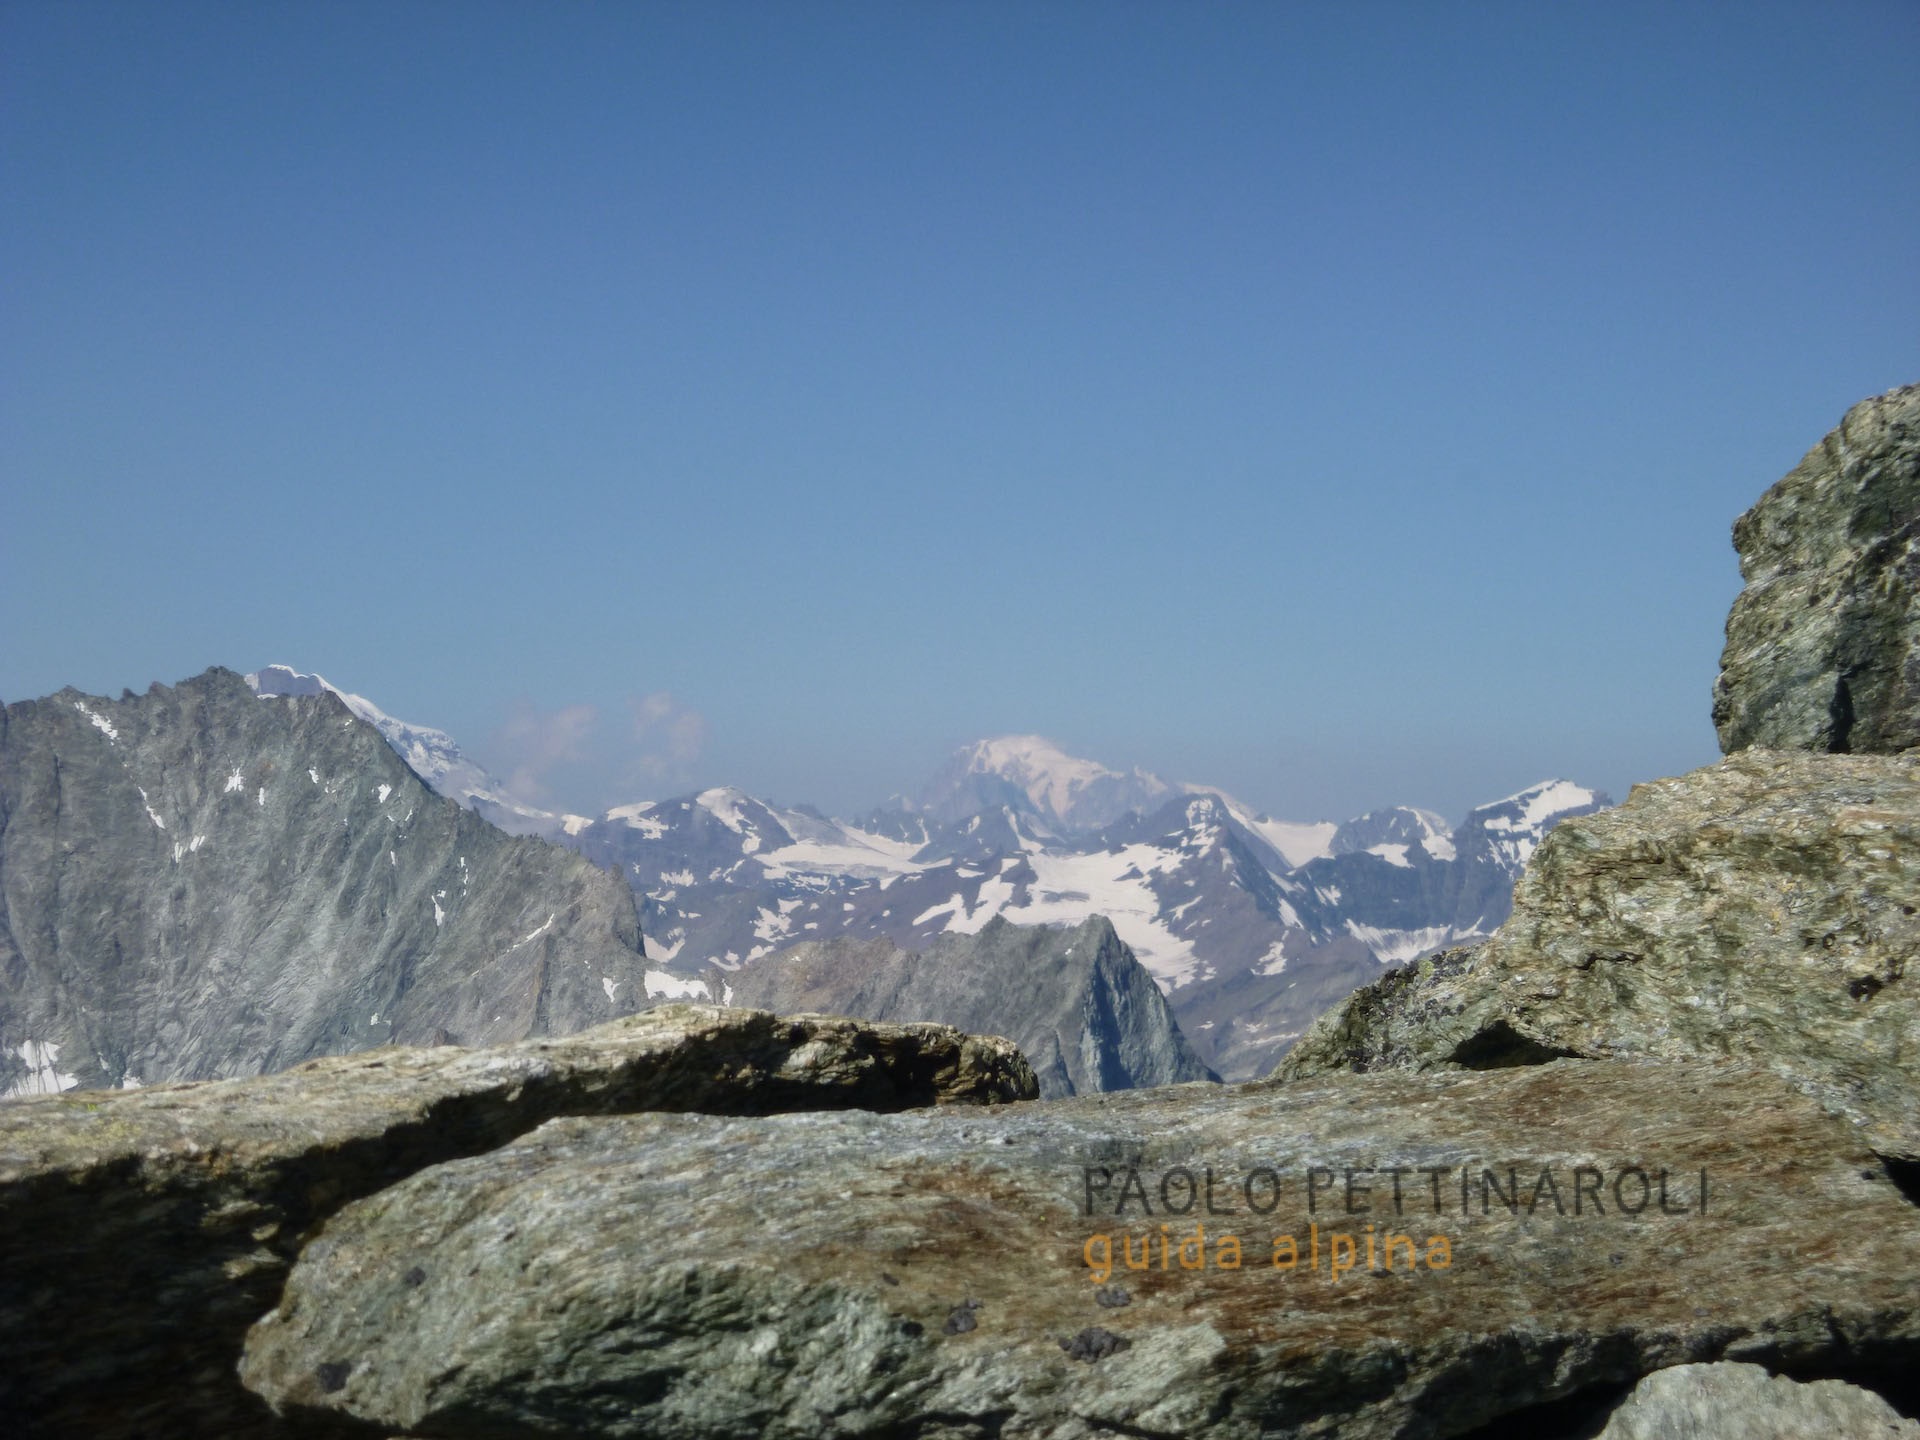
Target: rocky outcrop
pixel 141 1233
pixel 1823 644
pixel 199 883
pixel 806 1277
pixel 1762 908
pixel 1076 1002
pixel 1704 1402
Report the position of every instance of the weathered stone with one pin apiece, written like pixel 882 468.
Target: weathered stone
pixel 794 1277
pixel 1706 1402
pixel 142 1232
pixel 1764 907
pixel 1079 1005
pixel 1823 644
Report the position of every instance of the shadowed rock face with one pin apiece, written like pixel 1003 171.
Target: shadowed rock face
pixel 141 1233
pixel 1076 1001
pixel 805 1277
pixel 1766 908
pixel 198 883
pixel 1823 644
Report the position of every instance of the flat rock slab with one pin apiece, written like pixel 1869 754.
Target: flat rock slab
pixel 966 1274
pixel 1767 907
pixel 141 1232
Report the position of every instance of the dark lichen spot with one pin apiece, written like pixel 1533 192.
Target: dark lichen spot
pixel 912 1329
pixel 887 1279
pixel 1094 1343
pixel 332 1375
pixel 960 1319
pixel 1864 987
pixel 414 1278
pixel 1111 1297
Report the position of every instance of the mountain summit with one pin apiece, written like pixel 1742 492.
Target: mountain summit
pixel 1032 774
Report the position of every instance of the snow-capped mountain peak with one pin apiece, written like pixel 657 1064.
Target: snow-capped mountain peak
pixel 1030 772
pixel 1533 807
pixel 433 755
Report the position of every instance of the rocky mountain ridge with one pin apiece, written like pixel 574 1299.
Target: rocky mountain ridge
pixel 1081 1009
pixel 196 883
pixel 1251 926
pixel 1248 948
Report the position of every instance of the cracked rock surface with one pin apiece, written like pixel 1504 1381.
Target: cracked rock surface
pixel 682 1276
pixel 141 1232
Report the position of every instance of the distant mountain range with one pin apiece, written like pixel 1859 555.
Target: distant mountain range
pixel 1251 926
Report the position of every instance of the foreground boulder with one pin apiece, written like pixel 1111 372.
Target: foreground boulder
pixel 806 1277
pixel 1762 908
pixel 1081 1008
pixel 1702 1402
pixel 142 1232
pixel 1823 644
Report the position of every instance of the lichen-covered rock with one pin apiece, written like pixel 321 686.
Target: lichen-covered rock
pixel 1709 1402
pixel 1762 908
pixel 1823 644
pixel 1083 1010
pixel 141 1232
pixel 945 1274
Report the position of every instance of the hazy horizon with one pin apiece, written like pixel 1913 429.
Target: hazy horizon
pixel 1341 406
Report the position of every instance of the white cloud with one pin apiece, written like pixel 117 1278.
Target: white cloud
pixel 668 737
pixel 534 743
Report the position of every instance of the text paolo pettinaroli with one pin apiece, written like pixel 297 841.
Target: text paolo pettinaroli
pixel 1395 1217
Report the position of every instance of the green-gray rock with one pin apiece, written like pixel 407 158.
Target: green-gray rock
pixel 142 1232
pixel 1761 908
pixel 1731 1399
pixel 1823 644
pixel 818 1276
pixel 1079 1005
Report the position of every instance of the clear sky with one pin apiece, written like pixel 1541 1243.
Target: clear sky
pixel 1341 404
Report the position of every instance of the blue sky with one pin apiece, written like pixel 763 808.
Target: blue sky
pixel 1344 405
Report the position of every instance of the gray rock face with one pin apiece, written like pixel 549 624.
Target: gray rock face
pixel 142 1232
pixel 200 883
pixel 806 1277
pixel 1762 908
pixel 1075 1001
pixel 1705 1402
pixel 1823 644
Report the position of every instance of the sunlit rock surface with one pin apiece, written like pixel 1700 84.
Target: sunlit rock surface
pixel 810 1276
